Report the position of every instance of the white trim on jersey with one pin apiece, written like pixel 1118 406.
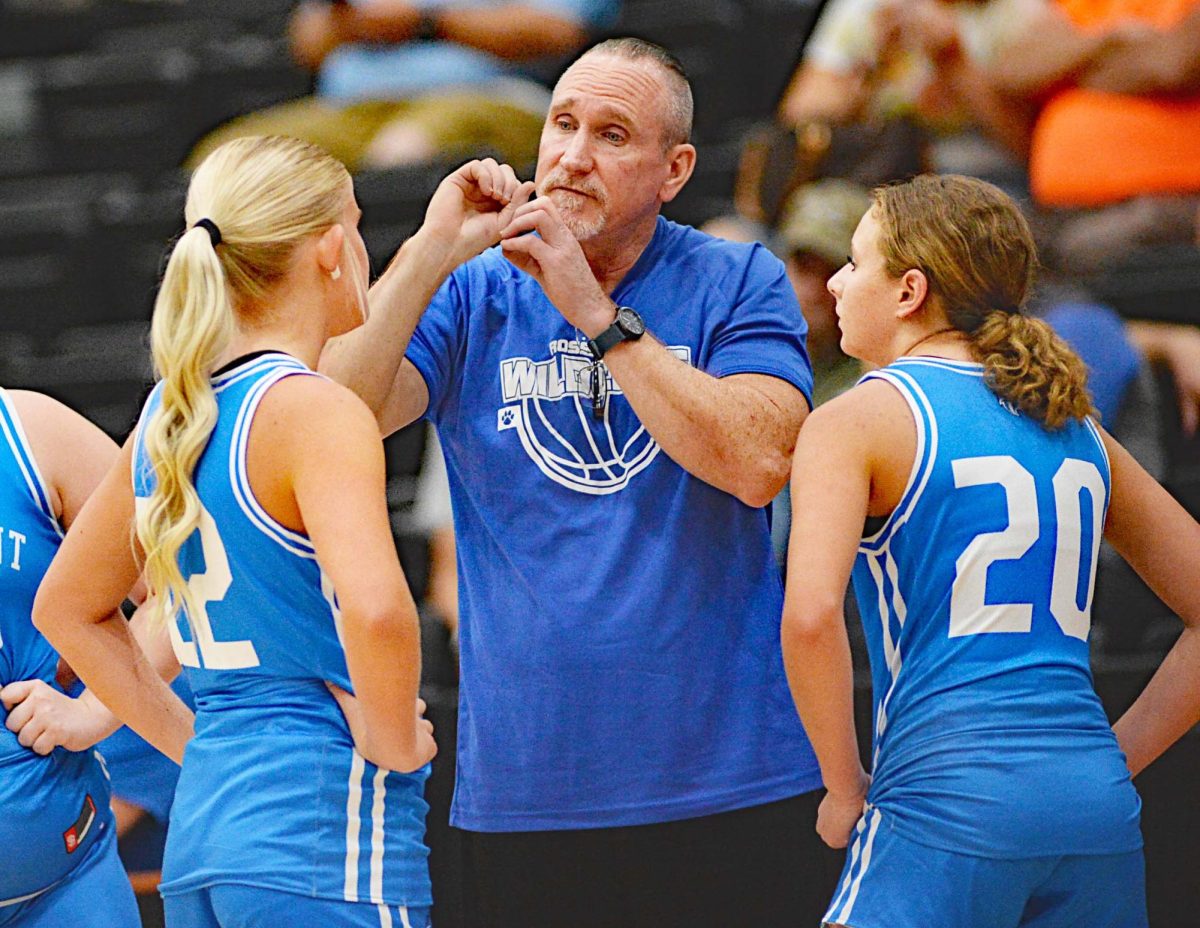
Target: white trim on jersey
pixel 252 367
pixel 1094 431
pixel 923 460
pixel 970 368
pixel 17 900
pixel 353 826
pixel 335 610
pixel 291 541
pixel 18 441
pixel 891 650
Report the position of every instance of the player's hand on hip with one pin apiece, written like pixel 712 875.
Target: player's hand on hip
pixel 839 813
pixel 44 719
pixel 539 243
pixel 422 751
pixel 471 206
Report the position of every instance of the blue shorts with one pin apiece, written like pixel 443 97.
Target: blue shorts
pixel 96 894
pixel 892 882
pixel 232 905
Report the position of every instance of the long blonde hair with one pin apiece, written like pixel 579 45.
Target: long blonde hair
pixel 265 195
pixel 976 250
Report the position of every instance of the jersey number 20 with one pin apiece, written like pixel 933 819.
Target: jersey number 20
pixel 970 614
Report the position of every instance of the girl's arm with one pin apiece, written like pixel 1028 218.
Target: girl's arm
pixel 45 718
pixel 831 498
pixel 77 609
pixel 1162 543
pixel 327 440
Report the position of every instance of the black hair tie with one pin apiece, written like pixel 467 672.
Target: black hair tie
pixel 211 228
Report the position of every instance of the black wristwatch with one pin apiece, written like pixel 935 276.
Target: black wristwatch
pixel 629 327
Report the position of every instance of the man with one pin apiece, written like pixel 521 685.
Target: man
pixel 628 754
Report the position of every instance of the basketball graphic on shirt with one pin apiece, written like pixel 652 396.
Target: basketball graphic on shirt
pixel 549 405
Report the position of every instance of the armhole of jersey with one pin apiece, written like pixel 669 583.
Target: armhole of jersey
pixel 239 480
pixel 137 451
pixel 923 460
pixel 1099 440
pixel 18 442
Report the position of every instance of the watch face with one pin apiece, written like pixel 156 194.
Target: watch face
pixel 630 322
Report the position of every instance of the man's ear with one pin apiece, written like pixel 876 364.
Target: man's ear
pixel 329 248
pixel 913 289
pixel 682 161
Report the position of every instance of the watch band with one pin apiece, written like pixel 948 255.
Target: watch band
pixel 605 340
pixel 628 326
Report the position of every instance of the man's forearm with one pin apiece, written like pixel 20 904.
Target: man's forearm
pixel 1150 62
pixel 725 431
pixel 368 358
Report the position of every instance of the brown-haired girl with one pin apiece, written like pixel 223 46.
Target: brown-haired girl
pixel 965 487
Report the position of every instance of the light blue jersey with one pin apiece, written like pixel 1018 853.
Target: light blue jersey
pixel 272 793
pixel 975 597
pixel 53 810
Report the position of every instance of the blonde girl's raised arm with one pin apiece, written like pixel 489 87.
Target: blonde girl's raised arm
pixel 1161 541
pixel 77 609
pixel 326 438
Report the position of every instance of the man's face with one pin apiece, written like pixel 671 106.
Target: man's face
pixel 601 160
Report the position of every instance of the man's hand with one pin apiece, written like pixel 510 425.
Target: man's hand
pixel 471 207
pixel 840 812
pixel 43 718
pixel 555 260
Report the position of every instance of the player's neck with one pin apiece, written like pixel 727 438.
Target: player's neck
pixel 944 342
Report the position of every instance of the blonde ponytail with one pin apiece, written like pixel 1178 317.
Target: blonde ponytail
pixel 977 252
pixel 192 326
pixel 1028 365
pixel 265 195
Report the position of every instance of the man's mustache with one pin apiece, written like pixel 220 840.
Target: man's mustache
pixel 586 187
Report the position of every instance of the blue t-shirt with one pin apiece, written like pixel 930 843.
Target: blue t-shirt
pixel 393 72
pixel 53 809
pixel 620 618
pixel 975 598
pixel 272 792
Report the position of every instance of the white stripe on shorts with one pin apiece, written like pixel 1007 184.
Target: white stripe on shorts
pixel 353 804
pixel 866 862
pixel 377 810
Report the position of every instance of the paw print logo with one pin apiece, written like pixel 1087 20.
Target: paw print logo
pixel 507 418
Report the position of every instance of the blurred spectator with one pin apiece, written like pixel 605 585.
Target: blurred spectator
pixel 401 83
pixel 1113 87
pixel 887 89
pixel 813 237
pixel 1176 347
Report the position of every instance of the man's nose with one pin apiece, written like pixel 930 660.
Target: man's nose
pixel 577 156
